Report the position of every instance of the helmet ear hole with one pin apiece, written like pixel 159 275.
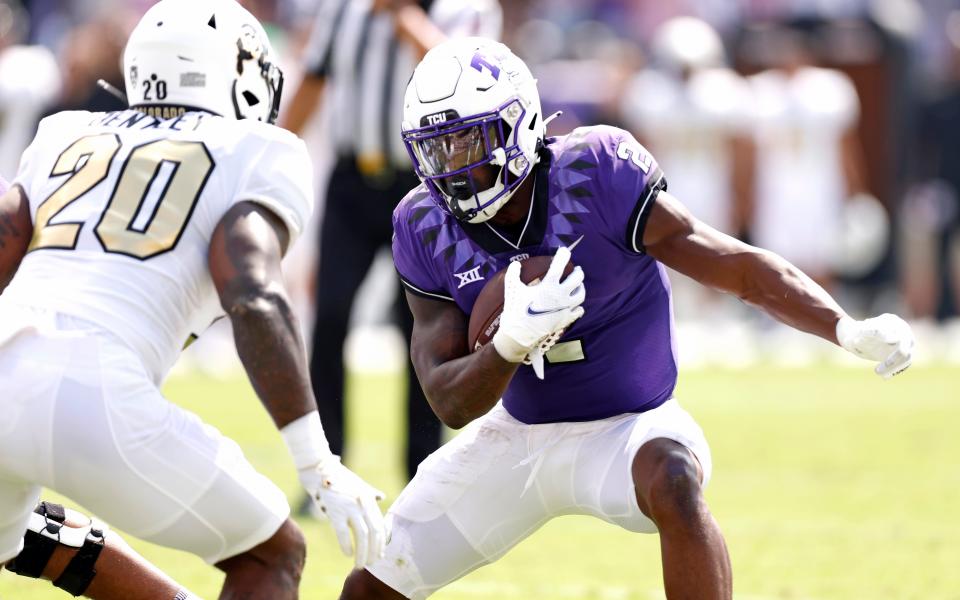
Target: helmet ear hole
pixel 251 98
pixel 212 23
pixel 533 121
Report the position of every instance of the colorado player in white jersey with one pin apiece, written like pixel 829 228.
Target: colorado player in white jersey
pixel 125 234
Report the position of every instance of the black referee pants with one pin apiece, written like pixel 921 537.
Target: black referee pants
pixel 357 222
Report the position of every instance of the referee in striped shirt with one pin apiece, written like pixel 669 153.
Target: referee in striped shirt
pixel 359 59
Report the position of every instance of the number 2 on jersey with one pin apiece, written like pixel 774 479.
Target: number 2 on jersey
pixel 637 154
pixel 87 162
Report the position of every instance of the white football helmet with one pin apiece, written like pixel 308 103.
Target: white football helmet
pixel 685 43
pixel 206 54
pixel 472 124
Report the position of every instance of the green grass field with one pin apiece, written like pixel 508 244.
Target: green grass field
pixel 828 483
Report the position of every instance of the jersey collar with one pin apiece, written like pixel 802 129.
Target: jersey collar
pixel 496 243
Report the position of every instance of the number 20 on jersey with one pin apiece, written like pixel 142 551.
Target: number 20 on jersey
pixel 119 230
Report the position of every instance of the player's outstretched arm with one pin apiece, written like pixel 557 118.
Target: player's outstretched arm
pixel 677 239
pixel 16 229
pixel 245 253
pixel 460 386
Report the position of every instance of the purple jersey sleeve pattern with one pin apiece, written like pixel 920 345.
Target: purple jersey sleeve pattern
pixel 422 242
pixel 630 179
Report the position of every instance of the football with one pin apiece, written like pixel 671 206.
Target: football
pixel 485 316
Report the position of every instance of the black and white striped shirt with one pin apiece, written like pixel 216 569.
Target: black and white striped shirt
pixel 367 68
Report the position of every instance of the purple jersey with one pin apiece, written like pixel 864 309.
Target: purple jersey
pixel 593 192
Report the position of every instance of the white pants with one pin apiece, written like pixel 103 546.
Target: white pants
pixel 81 417
pixel 500 480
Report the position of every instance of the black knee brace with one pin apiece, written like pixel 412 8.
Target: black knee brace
pixel 45 532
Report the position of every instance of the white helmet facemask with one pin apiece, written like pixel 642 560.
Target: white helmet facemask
pixel 211 55
pixel 472 125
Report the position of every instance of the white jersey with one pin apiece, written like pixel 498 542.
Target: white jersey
pixel 29 84
pixel 124 205
pixel 689 125
pixel 800 185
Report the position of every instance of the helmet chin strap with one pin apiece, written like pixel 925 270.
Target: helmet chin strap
pixel 550 118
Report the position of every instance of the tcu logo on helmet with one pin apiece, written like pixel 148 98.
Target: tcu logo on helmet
pixel 479 61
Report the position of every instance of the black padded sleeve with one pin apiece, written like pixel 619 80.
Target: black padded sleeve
pixel 80 571
pixel 38 548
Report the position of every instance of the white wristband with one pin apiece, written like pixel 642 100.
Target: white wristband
pixel 306 441
pixel 508 348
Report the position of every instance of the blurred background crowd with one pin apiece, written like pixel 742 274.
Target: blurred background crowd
pixel 825 130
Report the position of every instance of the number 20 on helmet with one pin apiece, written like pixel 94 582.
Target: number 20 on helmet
pixel 203 54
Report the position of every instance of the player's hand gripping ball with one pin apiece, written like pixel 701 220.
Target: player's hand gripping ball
pixel 525 308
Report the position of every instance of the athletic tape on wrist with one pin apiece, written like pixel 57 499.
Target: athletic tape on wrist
pixel 846 329
pixel 508 348
pixel 306 441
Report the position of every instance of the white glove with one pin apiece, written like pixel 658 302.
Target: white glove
pixel 347 500
pixel 887 339
pixel 536 357
pixel 533 314
pixel 351 505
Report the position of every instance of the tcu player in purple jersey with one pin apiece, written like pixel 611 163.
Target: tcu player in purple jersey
pixel 601 434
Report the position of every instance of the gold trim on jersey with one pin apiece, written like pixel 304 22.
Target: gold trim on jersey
pixel 87 161
pixel 191 164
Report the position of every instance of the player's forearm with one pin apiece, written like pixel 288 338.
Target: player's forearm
pixel 787 294
pixel 466 388
pixel 415 27
pixel 268 340
pixel 15 232
pixel 11 249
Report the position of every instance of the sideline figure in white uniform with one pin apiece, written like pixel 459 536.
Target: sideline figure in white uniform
pixel 809 159
pixel 694 114
pixel 125 235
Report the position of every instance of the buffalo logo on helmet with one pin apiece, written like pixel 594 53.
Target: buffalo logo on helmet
pixel 249 46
